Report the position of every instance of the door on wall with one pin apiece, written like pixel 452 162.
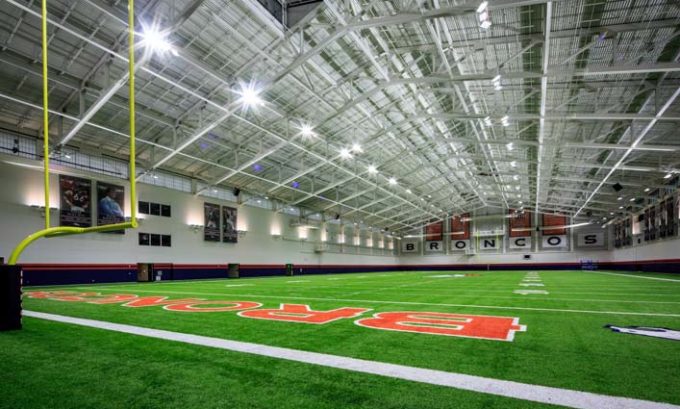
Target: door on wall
pixel 144 272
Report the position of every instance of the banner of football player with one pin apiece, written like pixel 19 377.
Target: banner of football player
pixel 433 231
pixel 211 227
pixel 75 201
pixel 229 232
pixel 519 223
pixel 460 232
pixel 557 220
pixel 434 237
pixel 110 202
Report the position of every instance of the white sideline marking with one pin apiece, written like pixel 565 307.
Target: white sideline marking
pixel 446 276
pixel 238 285
pixel 298 281
pixel 534 393
pixel 525 292
pixel 647 314
pixel 634 276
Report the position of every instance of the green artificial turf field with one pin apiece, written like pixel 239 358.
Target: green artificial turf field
pixel 565 343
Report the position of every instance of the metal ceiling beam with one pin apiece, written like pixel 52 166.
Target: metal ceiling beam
pixel 542 104
pixel 640 136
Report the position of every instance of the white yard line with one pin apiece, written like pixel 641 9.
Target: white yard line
pixel 493 307
pixel 510 389
pixel 636 276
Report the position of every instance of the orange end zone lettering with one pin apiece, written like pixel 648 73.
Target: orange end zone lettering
pixel 192 307
pixel 71 296
pixel 453 325
pixel 113 299
pixel 302 313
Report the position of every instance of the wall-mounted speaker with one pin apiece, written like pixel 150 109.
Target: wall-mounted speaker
pixel 337 216
pixel 617 187
pixel 236 191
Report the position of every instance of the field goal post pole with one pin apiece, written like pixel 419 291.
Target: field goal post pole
pixel 11 274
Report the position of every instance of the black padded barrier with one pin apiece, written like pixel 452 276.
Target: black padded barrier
pixel 10 297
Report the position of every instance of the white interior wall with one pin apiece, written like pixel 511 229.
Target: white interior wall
pixel 22 186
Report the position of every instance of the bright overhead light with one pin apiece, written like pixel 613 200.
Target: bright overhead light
pixel 619 198
pixel 487 122
pixel 408 190
pixel 482 6
pixel 632 199
pixel 510 146
pixel 345 153
pixel 497 82
pixel 513 163
pixel 520 202
pixel 156 41
pixel 392 181
pixel 647 189
pixel 485 24
pixel 372 169
pixel 668 175
pixel 306 130
pixel 250 96
pixel 505 120
pixel 516 177
pixel 356 148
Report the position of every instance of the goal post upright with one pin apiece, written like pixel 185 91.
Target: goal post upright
pixel 50 231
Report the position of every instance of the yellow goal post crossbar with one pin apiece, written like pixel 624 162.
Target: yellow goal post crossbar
pixel 49 231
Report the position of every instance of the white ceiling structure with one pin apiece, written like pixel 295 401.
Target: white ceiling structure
pixel 394 113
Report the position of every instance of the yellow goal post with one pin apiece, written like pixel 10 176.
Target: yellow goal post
pixel 50 231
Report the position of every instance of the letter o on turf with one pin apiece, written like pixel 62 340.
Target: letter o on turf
pixel 233 306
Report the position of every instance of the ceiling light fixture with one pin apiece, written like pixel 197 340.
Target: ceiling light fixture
pixel 372 169
pixel 496 81
pixel 156 41
pixel 345 153
pixel 483 15
pixel 306 130
pixel 392 181
pixel 250 97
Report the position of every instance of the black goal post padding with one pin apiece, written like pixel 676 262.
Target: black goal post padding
pixel 10 297
pixel 289 269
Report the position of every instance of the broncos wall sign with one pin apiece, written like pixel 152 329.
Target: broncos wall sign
pixel 419 322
